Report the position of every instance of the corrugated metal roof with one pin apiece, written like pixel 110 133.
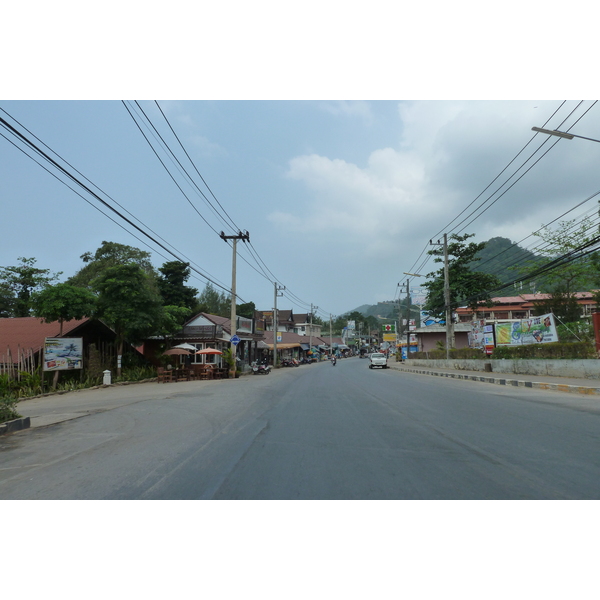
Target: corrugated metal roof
pixel 29 333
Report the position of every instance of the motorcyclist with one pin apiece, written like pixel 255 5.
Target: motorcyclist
pixel 333 360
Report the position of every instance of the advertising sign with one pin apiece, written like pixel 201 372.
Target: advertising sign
pixel 244 325
pixel 427 319
pixel 61 354
pixel 488 339
pixel 537 330
pixel 389 328
pixel 476 337
pixel 389 337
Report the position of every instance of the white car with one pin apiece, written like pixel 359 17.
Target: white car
pixel 378 360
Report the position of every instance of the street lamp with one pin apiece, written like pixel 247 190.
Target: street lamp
pixel 562 134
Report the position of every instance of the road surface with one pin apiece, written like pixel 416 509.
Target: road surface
pixel 312 432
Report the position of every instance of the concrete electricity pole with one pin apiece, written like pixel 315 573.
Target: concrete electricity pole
pixel 245 237
pixel 449 324
pixel 310 332
pixel 278 288
pixel 331 334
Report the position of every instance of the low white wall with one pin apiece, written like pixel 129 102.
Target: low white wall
pixel 587 368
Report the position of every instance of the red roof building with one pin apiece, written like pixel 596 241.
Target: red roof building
pixel 27 334
pixel 518 307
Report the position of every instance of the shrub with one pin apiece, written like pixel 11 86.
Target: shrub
pixel 554 350
pixel 7 409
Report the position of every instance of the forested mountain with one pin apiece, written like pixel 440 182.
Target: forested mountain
pixel 500 258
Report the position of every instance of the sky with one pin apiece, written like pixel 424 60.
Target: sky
pixel 340 198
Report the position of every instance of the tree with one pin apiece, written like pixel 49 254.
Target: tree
pixel 129 303
pixel 171 285
pixel 7 300
pixel 467 287
pixel 215 303
pixel 19 283
pixel 576 273
pixel 171 320
pixel 111 254
pixel 63 302
pixel 246 310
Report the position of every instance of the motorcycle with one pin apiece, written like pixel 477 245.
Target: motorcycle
pixel 260 369
pixel 333 360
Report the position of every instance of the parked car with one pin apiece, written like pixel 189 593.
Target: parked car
pixel 378 360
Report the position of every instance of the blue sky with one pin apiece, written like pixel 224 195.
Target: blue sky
pixel 339 197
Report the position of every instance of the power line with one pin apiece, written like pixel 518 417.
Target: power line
pixel 30 144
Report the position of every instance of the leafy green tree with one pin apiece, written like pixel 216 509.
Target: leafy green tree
pixel 171 320
pixel 171 285
pixel 7 300
pixel 246 310
pixel 215 303
pixel 19 283
pixel 63 302
pixel 467 287
pixel 129 303
pixel 111 254
pixel 575 274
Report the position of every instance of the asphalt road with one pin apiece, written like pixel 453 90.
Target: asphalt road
pixel 313 432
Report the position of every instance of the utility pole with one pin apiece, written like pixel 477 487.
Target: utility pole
pixel 310 332
pixel 330 333
pixel 244 237
pixel 278 288
pixel 408 318
pixel 449 324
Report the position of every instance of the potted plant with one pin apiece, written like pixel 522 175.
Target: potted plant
pixel 229 358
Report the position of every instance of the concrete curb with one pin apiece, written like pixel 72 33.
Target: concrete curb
pixel 556 387
pixel 15 425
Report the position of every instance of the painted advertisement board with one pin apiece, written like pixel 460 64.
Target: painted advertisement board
pixel 61 354
pixel 536 330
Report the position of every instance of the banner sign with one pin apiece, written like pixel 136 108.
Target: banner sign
pixel 61 354
pixel 488 339
pixel 427 319
pixel 537 330
pixel 389 328
pixel 476 337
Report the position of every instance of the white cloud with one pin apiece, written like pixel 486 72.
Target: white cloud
pixel 206 148
pixel 447 154
pixel 348 109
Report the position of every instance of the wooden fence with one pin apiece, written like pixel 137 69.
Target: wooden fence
pixel 26 360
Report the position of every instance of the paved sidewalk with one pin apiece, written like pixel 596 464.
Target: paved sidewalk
pixel 544 382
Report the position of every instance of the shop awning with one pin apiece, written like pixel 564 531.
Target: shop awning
pixel 305 346
pixel 282 346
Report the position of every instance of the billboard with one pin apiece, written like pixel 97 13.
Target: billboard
pixel 537 330
pixel 61 354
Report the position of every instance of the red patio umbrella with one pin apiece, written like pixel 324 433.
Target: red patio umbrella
pixel 209 351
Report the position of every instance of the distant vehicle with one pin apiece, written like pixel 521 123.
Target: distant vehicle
pixel 378 360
